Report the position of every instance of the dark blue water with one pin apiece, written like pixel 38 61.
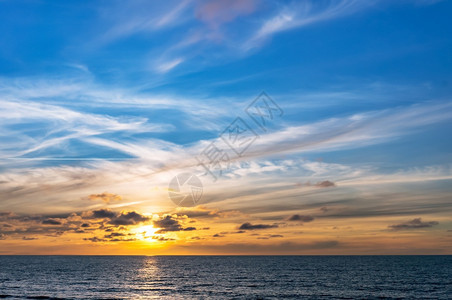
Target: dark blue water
pixel 226 277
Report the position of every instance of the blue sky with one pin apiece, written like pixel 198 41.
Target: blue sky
pixel 338 58
pixel 120 96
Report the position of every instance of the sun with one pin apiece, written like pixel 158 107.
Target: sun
pixel 145 232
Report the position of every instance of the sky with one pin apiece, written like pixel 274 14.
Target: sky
pixel 225 127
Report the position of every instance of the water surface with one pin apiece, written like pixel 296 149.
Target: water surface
pixel 226 277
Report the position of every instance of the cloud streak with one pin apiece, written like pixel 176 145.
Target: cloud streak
pixel 416 223
pixel 303 13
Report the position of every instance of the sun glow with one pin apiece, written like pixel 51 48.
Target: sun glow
pixel 145 232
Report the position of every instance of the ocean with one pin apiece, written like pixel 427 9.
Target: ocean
pixel 226 277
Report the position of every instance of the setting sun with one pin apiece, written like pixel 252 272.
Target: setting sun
pixel 145 232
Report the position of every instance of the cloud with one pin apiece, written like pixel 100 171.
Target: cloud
pixel 114 226
pixel 217 12
pixel 169 65
pixel 164 239
pixel 321 184
pixel 33 225
pixel 299 14
pixel 301 218
pixel 115 235
pixel 413 224
pixel 275 236
pixel 325 183
pixel 51 222
pixel 198 212
pixel 129 218
pixel 346 132
pixel 170 223
pixel 173 15
pixel 249 226
pixel 351 132
pixel 124 218
pixel 95 239
pixel 102 214
pixel 324 209
pixel 127 19
pixel 105 197
pixel 270 236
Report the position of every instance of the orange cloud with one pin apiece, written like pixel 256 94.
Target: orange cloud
pixel 105 197
pixel 217 12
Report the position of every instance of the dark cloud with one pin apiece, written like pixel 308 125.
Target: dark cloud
pixel 218 235
pixel 413 224
pixel 267 237
pixel 273 218
pixel 105 197
pixel 249 226
pixel 123 240
pixel 198 212
pixel 103 214
pixel 51 222
pixel 95 239
pixel 301 218
pixel 324 209
pixel 56 233
pixel 320 184
pixel 162 238
pixel 106 220
pixel 128 218
pixel 115 235
pixel 325 184
pixel 115 218
pixel 56 225
pixel 170 223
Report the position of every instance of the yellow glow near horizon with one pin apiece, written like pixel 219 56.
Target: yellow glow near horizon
pixel 145 232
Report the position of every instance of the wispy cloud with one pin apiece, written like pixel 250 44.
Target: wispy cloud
pixel 301 14
pixel 218 12
pixel 126 19
pixel 169 65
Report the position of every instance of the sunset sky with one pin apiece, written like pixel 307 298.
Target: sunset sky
pixel 103 103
